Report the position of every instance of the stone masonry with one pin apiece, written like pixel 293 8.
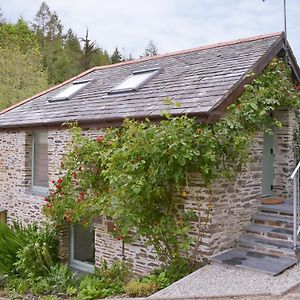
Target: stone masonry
pixel 233 203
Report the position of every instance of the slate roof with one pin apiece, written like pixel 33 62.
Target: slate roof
pixel 204 80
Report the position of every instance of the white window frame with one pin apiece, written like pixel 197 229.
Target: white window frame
pixel 76 264
pixel 35 188
pixel 151 73
pixel 81 85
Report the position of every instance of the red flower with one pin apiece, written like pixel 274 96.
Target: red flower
pixel 47 199
pixel 62 192
pixel 58 187
pixel 100 138
pixel 59 180
pixel 49 205
pixel 53 181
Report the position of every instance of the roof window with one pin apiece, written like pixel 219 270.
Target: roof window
pixel 135 81
pixel 70 91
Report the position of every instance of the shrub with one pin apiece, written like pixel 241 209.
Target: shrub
pixel 40 253
pixel 107 281
pixel 136 288
pixel 93 287
pixel 26 250
pixel 59 280
pixel 10 243
pixel 118 272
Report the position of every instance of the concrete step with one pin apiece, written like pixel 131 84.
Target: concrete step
pixel 284 209
pixel 270 232
pixel 255 261
pixel 274 220
pixel 267 246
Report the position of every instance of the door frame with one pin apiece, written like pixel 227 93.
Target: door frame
pixel 77 264
pixel 268 162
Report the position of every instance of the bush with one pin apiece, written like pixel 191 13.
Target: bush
pixel 40 253
pixel 136 288
pixel 107 281
pixel 93 287
pixel 118 272
pixel 27 250
pixel 59 280
pixel 10 243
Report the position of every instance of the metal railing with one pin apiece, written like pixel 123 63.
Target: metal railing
pixel 296 204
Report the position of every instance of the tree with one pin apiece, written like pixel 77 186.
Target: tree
pixel 21 70
pixel 116 56
pixel 2 20
pixel 48 29
pixel 89 50
pixel 18 35
pixel 21 75
pixel 151 49
pixel 68 62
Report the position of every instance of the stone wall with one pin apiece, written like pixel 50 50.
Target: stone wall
pixel 284 161
pixel 15 183
pixel 232 203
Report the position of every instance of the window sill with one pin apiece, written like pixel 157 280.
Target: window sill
pixel 37 192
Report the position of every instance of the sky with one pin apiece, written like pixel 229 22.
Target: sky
pixel 172 24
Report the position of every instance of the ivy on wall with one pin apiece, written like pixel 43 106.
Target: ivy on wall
pixel 137 174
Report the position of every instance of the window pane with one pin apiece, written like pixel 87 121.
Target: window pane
pixel 84 240
pixel 70 91
pixel 40 159
pixel 135 81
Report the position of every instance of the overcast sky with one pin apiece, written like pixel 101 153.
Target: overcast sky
pixel 171 24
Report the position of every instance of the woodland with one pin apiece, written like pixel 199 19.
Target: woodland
pixel 40 53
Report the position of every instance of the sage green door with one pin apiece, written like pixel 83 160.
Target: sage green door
pixel 267 168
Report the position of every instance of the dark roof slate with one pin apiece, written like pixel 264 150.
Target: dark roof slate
pixel 198 79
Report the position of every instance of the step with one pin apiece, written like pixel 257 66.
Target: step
pixel 284 209
pixel 274 220
pixel 270 232
pixel 255 261
pixel 267 246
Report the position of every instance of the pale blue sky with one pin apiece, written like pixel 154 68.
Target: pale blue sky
pixel 171 24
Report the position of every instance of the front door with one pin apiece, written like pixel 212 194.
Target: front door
pixel 267 170
pixel 82 248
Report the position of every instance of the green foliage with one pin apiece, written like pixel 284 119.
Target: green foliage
pixel 21 72
pixel 296 139
pixel 18 36
pixel 106 281
pixel 40 251
pixel 10 243
pixel 59 280
pixel 136 173
pixel 136 288
pixel 116 56
pixel 29 251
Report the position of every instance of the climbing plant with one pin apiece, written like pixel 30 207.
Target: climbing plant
pixel 137 174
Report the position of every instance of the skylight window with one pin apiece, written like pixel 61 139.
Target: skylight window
pixel 134 81
pixel 70 91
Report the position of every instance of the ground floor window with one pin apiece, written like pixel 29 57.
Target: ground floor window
pixel 82 248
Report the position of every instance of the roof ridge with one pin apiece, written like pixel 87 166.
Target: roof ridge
pixel 167 54
pixel 205 47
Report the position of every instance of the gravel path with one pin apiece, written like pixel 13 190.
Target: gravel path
pixel 225 281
